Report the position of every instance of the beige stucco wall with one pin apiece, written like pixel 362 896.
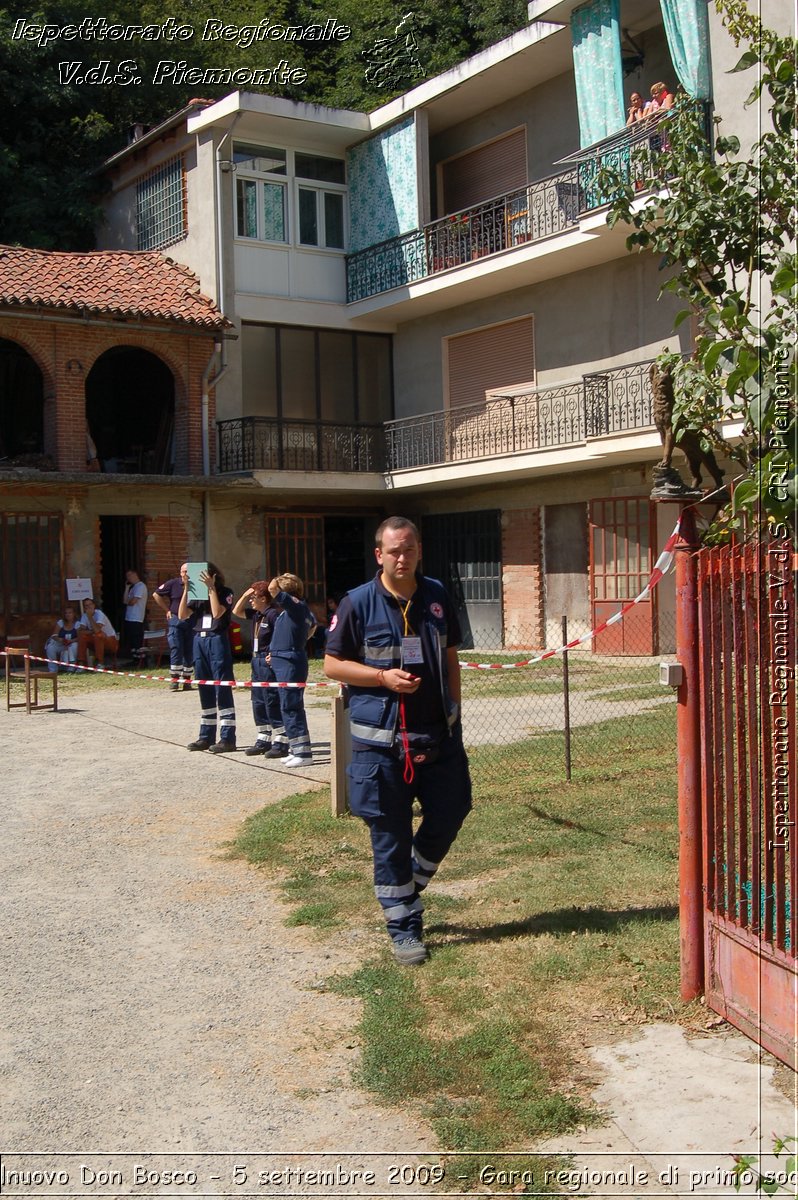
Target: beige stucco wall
pixel 606 316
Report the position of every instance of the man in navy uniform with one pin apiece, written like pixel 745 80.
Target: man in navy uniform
pixel 394 643
pixel 179 634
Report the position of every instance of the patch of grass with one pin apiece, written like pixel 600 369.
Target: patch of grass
pixel 554 918
pixel 586 674
pixel 321 916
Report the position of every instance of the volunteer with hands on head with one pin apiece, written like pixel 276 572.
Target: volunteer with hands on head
pixel 213 659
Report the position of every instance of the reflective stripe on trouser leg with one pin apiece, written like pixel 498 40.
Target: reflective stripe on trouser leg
pixel 399 904
pixel 399 916
pixel 265 701
pixel 423 870
pixel 394 886
pixel 300 747
pixel 227 724
pixel 208 723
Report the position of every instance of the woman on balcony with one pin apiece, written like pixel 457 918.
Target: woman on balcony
pixel 661 100
pixel 636 109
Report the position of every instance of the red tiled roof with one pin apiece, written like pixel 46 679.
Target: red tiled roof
pixel 146 285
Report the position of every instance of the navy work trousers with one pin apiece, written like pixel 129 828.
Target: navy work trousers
pixel 265 701
pixel 293 668
pixel 213 659
pixel 180 636
pixel 404 863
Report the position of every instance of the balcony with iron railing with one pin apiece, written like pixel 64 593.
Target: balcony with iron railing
pixel 271 444
pixel 540 210
pixel 601 404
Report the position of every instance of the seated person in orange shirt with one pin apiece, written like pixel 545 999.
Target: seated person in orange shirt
pixel 97 632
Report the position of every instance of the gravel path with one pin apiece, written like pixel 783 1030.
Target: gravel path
pixel 151 997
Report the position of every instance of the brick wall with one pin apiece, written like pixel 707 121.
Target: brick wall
pixel 65 354
pixel 167 544
pixel 522 578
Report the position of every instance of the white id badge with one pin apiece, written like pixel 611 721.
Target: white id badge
pixel 411 651
pixel 207 622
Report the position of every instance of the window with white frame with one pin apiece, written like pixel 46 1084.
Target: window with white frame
pixel 161 206
pixel 264 175
pixel 261 193
pixel 320 200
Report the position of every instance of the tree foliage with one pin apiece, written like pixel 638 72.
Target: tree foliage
pixel 724 224
pixel 55 135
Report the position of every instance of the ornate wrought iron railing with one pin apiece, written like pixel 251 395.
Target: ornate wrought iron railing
pixel 539 210
pixel 267 444
pixel 617 400
pixel 529 214
pixel 602 403
pixel 619 151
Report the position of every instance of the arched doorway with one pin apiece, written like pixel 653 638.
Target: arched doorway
pixel 21 404
pixel 130 410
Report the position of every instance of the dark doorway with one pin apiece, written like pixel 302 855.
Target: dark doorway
pixel 21 403
pixel 463 550
pixel 121 545
pixel 130 410
pixel 348 557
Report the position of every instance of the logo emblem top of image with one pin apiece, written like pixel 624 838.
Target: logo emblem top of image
pixel 394 60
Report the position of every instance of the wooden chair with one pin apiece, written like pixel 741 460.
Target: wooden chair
pixel 19 647
pixel 154 647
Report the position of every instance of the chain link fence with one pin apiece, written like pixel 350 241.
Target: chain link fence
pixel 565 710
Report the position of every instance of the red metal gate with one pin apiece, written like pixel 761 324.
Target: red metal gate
pixel 749 777
pixel 621 537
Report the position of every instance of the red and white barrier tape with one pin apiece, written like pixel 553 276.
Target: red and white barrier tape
pixel 661 567
pixel 236 683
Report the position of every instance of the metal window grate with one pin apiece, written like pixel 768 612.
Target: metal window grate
pixel 30 563
pixel 160 206
pixel 464 550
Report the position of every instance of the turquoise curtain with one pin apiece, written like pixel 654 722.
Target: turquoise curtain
pixel 596 35
pixel 687 30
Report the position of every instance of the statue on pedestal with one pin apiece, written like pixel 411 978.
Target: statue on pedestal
pixel 668 483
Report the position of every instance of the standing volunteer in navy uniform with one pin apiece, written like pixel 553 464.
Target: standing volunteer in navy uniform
pixel 256 605
pixel 213 659
pixel 394 643
pixel 179 634
pixel 288 658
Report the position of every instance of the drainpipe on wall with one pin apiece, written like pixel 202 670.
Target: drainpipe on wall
pixel 219 355
pixel 209 381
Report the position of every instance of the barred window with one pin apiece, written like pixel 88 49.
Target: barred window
pixel 31 575
pixel 160 206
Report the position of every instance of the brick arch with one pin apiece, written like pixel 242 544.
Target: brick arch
pixel 131 396
pixel 105 340
pixel 23 404
pixel 28 340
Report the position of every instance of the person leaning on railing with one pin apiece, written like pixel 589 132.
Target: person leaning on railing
pixel 636 109
pixel 661 100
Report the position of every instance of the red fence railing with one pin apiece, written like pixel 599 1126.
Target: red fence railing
pixel 747 637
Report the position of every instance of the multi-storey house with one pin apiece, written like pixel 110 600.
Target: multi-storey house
pixel 429 314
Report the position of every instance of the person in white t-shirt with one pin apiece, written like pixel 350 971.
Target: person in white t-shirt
pixel 95 632
pixel 134 599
